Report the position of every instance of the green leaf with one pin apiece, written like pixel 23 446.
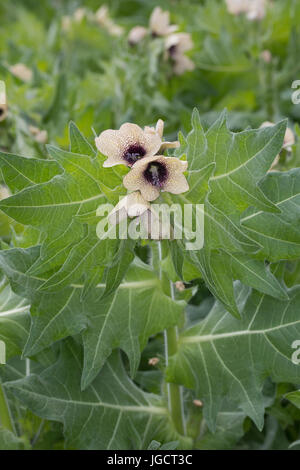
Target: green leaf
pixel 133 310
pixel 8 441
pixel 111 414
pixel 294 397
pixel 278 234
pixel 136 310
pixel 225 171
pixel 20 172
pixel 222 355
pixel 78 143
pixel 53 316
pixel 54 207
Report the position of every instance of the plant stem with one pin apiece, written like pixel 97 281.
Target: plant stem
pixel 5 416
pixel 175 398
pixel 174 391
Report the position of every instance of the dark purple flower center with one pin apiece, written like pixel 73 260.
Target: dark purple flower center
pixel 134 153
pixel 172 50
pixel 156 174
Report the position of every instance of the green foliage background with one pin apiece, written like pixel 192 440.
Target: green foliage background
pixel 81 317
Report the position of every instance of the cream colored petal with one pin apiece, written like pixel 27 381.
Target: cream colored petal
pixel 22 72
pixel 159 21
pixel 149 192
pixel 183 64
pixel 42 137
pixel 134 180
pixel 171 41
pixel 289 138
pixel 160 127
pixel 266 124
pixel 175 165
pixel 172 28
pixel 102 15
pixel 109 144
pixel 137 206
pixel 236 7
pixel 128 129
pixel 185 42
pixel 4 192
pixel 275 162
pixel 182 41
pixel 131 205
pixel 266 56
pixel 149 130
pixel 176 184
pixel 152 143
pixel 169 145
pixel 137 34
pixel 256 10
pixel 79 14
pixel 132 134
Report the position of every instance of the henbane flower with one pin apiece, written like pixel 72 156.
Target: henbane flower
pixel 131 143
pixel 160 23
pixel 254 9
pixel 132 205
pixel 176 45
pixel 22 72
pixel 157 173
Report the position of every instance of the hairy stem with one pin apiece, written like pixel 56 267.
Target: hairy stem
pixel 174 391
pixel 5 416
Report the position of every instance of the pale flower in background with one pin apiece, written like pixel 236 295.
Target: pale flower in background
pixel 288 141
pixel 137 34
pixel 3 104
pixel 151 175
pixel 176 45
pixel 79 14
pixel 66 23
pixel 132 205
pixel 266 56
pixel 180 286
pixel 198 403
pixel 160 23
pixel 257 10
pixel 4 192
pixel 236 7
pixel 153 361
pixel 40 136
pixel 254 9
pixel 22 72
pixel 103 19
